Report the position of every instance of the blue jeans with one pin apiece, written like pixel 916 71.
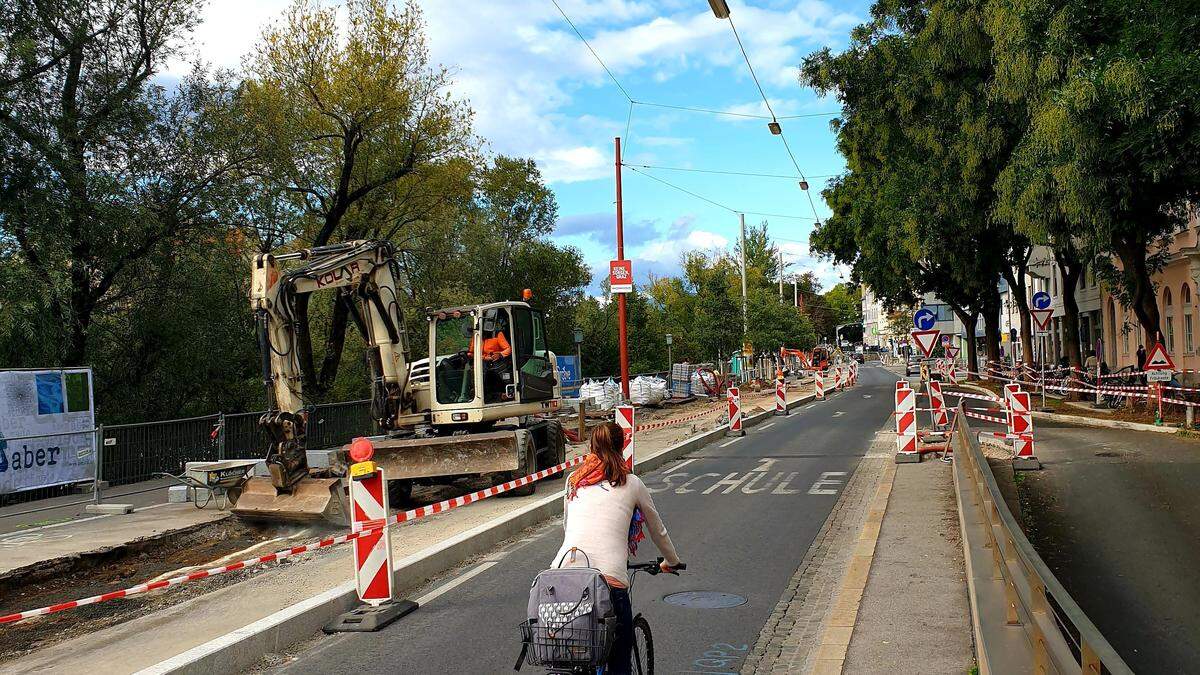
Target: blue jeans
pixel 621 657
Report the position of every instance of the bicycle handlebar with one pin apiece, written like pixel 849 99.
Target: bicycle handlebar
pixel 654 567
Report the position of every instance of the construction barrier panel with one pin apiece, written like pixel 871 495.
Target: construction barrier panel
pixel 735 412
pixel 780 397
pixel 373 551
pixel 937 405
pixel 624 416
pixel 819 381
pixel 1020 426
pixel 906 424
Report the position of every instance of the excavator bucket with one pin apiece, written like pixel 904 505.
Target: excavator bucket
pixel 309 500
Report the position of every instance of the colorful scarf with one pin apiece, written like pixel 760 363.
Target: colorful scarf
pixel 591 472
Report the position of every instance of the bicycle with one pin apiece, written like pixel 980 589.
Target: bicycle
pixel 643 642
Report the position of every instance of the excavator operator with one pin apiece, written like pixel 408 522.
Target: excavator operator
pixel 497 358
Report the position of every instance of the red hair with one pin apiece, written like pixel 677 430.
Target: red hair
pixel 608 442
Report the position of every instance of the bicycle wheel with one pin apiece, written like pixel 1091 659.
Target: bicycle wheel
pixel 643 647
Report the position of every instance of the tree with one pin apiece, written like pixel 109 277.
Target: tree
pixel 1107 163
pixel 344 111
pixel 103 170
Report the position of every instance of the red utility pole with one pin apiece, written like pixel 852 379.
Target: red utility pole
pixel 621 331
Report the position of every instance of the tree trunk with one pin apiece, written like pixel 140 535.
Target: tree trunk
pixel 1070 269
pixel 1132 253
pixel 969 320
pixel 991 325
pixel 1020 293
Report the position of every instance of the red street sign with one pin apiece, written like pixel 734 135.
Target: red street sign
pixel 926 339
pixel 1158 359
pixel 620 276
pixel 952 352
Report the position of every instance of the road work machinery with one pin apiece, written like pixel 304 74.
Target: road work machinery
pixel 478 405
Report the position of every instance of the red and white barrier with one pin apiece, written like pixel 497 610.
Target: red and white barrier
pixel 373 550
pixel 735 413
pixel 780 397
pixel 819 380
pixel 624 416
pixel 412 514
pixel 937 404
pixel 680 420
pixel 906 423
pixel 1020 425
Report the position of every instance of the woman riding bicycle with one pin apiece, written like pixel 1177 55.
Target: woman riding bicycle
pixel 607 508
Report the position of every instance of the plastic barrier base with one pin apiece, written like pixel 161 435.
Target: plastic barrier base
pixel 908 457
pixel 368 619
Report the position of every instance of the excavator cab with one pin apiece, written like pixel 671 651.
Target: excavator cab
pixel 489 362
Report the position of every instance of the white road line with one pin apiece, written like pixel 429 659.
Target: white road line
pixel 768 425
pixel 451 585
pixel 727 443
pixel 680 465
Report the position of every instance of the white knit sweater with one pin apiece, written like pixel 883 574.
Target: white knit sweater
pixel 596 522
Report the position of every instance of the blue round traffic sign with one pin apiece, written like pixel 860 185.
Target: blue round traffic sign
pixel 1041 300
pixel 924 318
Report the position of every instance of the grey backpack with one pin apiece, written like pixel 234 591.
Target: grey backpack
pixel 570 619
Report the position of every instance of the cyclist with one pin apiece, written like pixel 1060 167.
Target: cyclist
pixel 606 510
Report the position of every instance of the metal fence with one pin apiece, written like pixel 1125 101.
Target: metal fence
pixel 132 454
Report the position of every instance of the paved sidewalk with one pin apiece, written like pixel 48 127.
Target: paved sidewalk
pixel 915 616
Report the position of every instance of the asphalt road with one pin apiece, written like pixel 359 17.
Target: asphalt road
pixel 742 514
pixel 1114 515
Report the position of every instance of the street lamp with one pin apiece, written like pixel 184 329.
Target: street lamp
pixel 720 8
pixel 670 339
pixel 578 334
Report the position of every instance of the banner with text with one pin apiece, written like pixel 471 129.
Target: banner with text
pixel 46 418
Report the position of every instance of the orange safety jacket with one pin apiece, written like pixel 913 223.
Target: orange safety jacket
pixel 496 346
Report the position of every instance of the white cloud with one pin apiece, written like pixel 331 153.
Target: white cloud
pixel 521 66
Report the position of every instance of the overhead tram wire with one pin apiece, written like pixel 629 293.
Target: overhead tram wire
pixel 731 113
pixel 725 173
pixel 774 119
pixel 716 204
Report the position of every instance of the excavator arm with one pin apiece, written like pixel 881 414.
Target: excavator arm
pixel 364 275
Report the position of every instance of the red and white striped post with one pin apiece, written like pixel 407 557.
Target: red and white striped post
pixel 937 406
pixel 372 551
pixel 780 396
pixel 906 424
pixel 819 380
pixel 1020 427
pixel 1009 389
pixel 624 415
pixel 735 413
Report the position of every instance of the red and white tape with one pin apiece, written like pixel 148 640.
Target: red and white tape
pixel 375 526
pixel 704 413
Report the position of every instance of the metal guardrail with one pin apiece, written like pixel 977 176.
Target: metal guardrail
pixel 1061 637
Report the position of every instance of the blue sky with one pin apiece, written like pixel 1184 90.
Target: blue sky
pixel 538 92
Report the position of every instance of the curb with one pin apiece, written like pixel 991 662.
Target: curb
pixel 242 648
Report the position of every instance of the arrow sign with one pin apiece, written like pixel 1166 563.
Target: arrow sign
pixel 1041 319
pixel 1041 300
pixel 926 339
pixel 1159 359
pixel 924 318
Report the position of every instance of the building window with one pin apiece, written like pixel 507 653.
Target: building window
pixel 1169 320
pixel 1185 299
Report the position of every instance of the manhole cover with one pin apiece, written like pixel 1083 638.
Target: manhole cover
pixel 704 599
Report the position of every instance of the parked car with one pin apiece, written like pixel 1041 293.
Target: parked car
pixel 912 366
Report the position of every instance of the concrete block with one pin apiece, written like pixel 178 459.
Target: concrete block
pixel 317 459
pixel 908 457
pixel 178 494
pixel 109 509
pixel 1026 464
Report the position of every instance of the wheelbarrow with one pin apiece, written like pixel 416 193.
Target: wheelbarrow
pixel 218 481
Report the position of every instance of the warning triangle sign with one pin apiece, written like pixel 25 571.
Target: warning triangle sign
pixel 1041 318
pixel 1159 359
pixel 952 352
pixel 926 339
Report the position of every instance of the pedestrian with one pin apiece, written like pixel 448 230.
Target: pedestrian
pixel 1089 366
pixel 1141 357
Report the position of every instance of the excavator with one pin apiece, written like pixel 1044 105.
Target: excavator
pixel 480 404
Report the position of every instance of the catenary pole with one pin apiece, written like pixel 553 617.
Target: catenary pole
pixel 621 330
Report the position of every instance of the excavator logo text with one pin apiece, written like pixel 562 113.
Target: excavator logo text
pixel 340 273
